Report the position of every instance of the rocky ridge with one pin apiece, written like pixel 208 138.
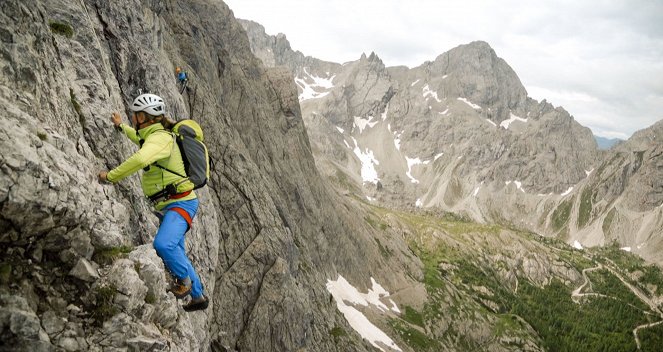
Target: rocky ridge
pixel 272 239
pixel 459 133
pixel 78 270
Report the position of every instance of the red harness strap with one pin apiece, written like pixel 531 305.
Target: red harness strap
pixel 184 214
pixel 180 195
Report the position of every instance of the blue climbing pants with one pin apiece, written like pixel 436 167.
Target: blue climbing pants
pixel 169 243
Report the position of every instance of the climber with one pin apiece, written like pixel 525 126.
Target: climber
pixel 182 78
pixel 175 209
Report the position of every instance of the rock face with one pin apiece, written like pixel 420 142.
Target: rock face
pixel 78 271
pixel 622 198
pixel 460 133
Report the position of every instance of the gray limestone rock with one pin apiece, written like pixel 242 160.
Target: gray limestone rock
pixel 268 232
pixel 460 134
pixel 131 290
pixel 150 269
pixel 20 327
pixel 85 270
pixel 52 323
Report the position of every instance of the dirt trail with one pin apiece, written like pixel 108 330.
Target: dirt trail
pixel 576 295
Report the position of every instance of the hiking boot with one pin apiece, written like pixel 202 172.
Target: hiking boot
pixel 200 303
pixel 181 288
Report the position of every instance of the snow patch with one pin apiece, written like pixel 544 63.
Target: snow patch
pixel 567 191
pixel 347 295
pixel 397 140
pixel 346 144
pixel 491 122
pixel 577 245
pixel 394 307
pixel 362 123
pixel 370 199
pixel 419 203
pixel 472 105
pixel 626 249
pixel 427 92
pixel 476 191
pixel 513 118
pixel 368 162
pixel 309 90
pixel 445 76
pixel 411 162
pixel 444 112
pixel 340 129
pixel 384 114
pixel 589 172
pixel 437 156
pixel 415 82
pixel 518 184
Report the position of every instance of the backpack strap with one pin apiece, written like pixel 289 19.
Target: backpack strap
pixel 169 170
pixel 184 214
pixel 175 145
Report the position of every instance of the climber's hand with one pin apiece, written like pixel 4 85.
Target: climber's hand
pixel 103 177
pixel 117 119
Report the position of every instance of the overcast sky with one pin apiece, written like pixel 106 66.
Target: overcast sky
pixel 601 60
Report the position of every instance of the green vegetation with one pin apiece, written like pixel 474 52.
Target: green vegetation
pixel 575 258
pixel 507 323
pixel 413 337
pixel 631 263
pixel 600 324
pixel 345 182
pixel 150 298
pixel 103 309
pixel 61 28
pixel 108 256
pixel 585 211
pixel 652 275
pixel 376 224
pixel 412 316
pixel 651 339
pixel 605 281
pixel 74 103
pixel 385 251
pixel 337 332
pixel 560 215
pixel 5 273
pixel 624 260
pixel 42 135
pixel 607 221
pixel 463 272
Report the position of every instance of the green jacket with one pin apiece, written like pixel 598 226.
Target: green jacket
pixel 158 147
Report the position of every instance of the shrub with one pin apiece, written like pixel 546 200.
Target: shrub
pixel 61 28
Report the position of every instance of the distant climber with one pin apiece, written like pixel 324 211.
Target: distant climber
pixel 177 208
pixel 182 79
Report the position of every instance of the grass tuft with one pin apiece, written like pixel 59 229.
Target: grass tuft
pixel 61 28
pixel 108 256
pixel 103 308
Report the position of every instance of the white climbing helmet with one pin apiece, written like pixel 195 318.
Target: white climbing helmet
pixel 149 103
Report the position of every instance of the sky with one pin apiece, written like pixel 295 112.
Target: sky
pixel 600 60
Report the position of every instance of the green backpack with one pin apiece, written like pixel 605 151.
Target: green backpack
pixel 189 137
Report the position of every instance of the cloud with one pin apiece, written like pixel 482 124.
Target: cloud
pixel 602 61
